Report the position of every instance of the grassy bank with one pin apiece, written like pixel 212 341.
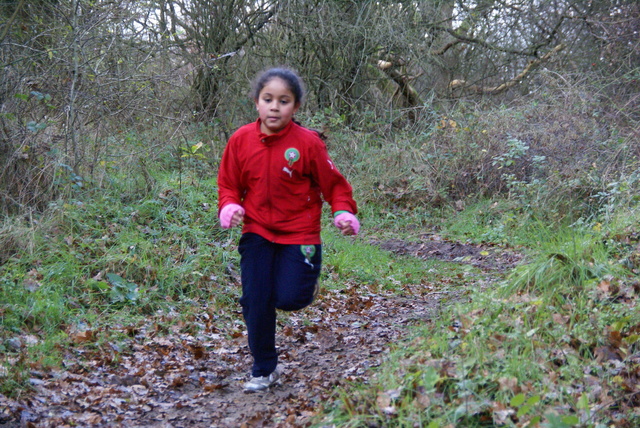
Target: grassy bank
pixel 555 344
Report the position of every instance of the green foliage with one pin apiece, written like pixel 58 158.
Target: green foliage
pixel 121 290
pixel 110 253
pixel 494 221
pixel 361 263
pixel 517 354
pixel 193 151
pixel 565 261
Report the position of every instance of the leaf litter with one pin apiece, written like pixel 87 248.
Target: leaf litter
pixel 192 373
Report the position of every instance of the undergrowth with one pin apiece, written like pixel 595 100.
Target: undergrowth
pixel 108 259
pixel 553 345
pixel 92 259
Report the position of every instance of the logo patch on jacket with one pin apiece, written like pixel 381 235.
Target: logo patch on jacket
pixel 308 250
pixel 292 155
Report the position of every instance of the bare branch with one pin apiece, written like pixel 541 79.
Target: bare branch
pixel 494 90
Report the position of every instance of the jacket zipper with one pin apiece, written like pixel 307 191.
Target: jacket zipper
pixel 269 202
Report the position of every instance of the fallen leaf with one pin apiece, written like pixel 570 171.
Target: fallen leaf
pixel 82 336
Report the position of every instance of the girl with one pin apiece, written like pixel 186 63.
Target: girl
pixel 272 178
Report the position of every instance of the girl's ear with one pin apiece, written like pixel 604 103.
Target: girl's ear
pixel 296 107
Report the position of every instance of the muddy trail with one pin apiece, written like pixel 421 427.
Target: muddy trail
pixel 191 374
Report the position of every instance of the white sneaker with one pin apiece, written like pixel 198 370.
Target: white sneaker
pixel 261 383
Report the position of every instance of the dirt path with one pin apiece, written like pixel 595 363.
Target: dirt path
pixel 192 374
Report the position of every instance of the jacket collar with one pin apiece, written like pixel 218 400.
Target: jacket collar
pixel 273 137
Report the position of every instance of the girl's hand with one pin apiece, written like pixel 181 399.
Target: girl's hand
pixel 231 215
pixel 347 223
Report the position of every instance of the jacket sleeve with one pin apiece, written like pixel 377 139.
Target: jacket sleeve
pixel 230 189
pixel 335 189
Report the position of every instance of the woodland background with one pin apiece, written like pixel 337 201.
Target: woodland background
pixel 91 88
pixel 507 116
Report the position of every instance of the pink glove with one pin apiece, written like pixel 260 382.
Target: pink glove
pixel 227 214
pixel 346 220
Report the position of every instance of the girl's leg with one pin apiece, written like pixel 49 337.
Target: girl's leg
pixel 258 301
pixel 297 268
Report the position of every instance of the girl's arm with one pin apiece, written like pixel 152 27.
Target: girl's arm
pixel 229 183
pixel 336 190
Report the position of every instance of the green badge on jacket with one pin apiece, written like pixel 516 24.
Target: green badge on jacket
pixel 292 155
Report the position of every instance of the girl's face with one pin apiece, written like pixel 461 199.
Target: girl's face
pixel 276 106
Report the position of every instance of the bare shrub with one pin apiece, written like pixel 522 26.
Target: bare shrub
pixel 559 148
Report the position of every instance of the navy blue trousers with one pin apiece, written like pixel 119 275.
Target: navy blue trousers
pixel 274 276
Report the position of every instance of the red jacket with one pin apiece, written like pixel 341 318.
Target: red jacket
pixel 280 181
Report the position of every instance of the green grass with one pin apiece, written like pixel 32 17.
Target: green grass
pixel 564 262
pixel 95 258
pixel 355 260
pixel 492 221
pixel 528 352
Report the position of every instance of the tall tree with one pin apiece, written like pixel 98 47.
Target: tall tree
pixel 208 35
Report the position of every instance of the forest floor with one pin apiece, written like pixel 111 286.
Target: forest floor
pixel 190 374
